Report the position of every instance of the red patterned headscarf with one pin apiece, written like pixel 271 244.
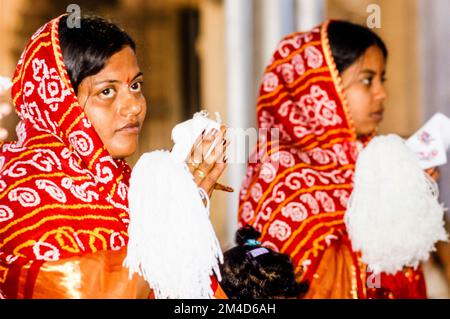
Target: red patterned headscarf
pixel 61 193
pixel 297 187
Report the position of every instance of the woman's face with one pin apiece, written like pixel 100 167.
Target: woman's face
pixel 114 103
pixel 364 88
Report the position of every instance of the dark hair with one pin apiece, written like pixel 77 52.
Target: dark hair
pixel 349 41
pixel 86 49
pixel 268 275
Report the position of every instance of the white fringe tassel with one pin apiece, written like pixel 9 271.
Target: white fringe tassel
pixel 393 216
pixel 172 243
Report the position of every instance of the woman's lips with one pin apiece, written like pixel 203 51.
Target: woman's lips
pixel 133 128
pixel 377 116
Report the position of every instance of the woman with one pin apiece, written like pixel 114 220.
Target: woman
pixel 63 184
pixel 324 93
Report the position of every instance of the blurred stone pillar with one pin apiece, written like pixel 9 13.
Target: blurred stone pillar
pixel 276 20
pixel 240 103
pixel 253 29
pixel 309 13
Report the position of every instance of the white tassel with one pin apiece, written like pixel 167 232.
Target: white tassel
pixel 172 243
pixel 393 215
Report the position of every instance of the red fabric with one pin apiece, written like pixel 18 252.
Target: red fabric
pixel 61 193
pixel 297 184
pixel 409 284
pixel 218 291
pixel 214 283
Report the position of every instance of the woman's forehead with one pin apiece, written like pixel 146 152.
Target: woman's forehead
pixel 373 58
pixel 121 66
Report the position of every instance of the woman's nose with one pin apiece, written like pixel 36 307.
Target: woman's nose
pixel 381 93
pixel 130 105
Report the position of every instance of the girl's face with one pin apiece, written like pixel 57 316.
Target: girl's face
pixel 114 103
pixel 364 88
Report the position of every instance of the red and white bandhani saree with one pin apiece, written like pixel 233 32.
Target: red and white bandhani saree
pixel 61 194
pixel 297 186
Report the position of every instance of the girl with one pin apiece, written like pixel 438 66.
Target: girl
pixel 324 94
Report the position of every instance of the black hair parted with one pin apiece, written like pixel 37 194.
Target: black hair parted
pixel 349 41
pixel 268 275
pixel 87 49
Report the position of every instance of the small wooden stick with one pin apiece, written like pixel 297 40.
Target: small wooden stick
pixel 225 188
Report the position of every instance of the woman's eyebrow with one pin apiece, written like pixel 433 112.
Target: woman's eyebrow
pixel 117 81
pixel 136 76
pixel 368 71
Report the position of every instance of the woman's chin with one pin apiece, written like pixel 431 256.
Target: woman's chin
pixel 123 147
pixel 367 130
pixel 122 152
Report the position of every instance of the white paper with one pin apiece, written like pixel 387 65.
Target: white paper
pixel 431 142
pixel 5 84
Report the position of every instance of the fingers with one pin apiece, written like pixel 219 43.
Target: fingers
pixel 433 173
pixel 207 161
pixel 209 151
pixel 210 180
pixel 212 151
pixel 197 143
pixel 199 150
pixel 196 157
pixel 217 156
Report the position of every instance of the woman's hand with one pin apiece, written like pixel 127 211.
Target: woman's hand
pixel 434 173
pixel 208 160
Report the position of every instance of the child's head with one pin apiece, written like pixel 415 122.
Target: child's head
pixel 251 271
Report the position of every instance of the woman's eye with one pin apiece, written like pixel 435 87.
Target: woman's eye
pixel 107 93
pixel 136 87
pixel 367 81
